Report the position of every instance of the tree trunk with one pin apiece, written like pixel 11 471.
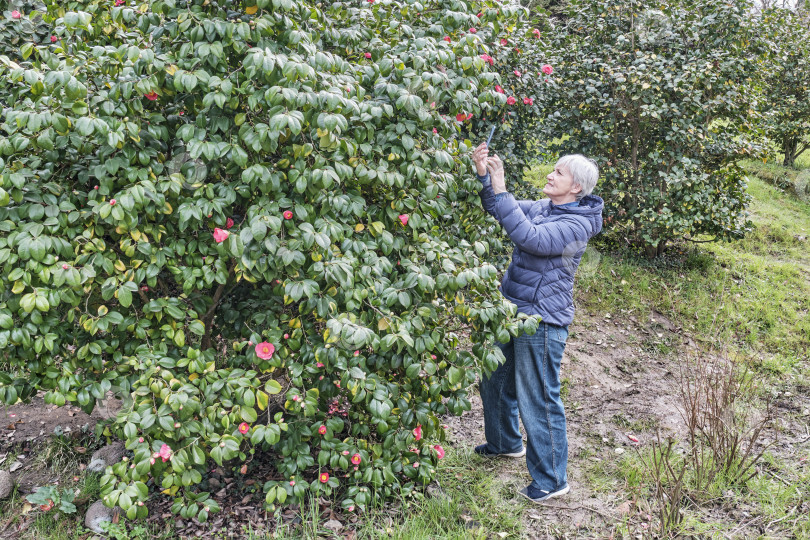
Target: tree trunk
pixel 789 145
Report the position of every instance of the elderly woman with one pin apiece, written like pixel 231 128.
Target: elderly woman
pixel 550 236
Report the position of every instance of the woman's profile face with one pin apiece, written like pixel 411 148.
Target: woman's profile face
pixel 560 184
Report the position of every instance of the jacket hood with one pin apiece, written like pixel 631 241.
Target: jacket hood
pixel 590 207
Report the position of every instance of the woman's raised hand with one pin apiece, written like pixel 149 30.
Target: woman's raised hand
pixel 480 156
pixel 496 174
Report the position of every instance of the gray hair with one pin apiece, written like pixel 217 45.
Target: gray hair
pixel 584 171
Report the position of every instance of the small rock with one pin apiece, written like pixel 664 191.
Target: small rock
pixel 108 455
pixel 14 466
pixel 333 525
pixel 619 450
pixel 98 514
pixel 6 484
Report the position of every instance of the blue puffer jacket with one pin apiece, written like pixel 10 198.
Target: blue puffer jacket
pixel 549 242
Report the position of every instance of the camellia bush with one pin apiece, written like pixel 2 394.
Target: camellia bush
pixel 664 96
pixel 257 223
pixel 786 99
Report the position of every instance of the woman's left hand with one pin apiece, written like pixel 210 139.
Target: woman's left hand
pixel 495 168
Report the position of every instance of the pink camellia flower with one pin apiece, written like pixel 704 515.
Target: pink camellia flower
pixel 547 69
pixel 367 55
pixel 469 116
pixel 536 33
pixel 433 357
pixel 504 42
pixel 65 267
pixel 417 432
pixel 296 398
pixel 324 477
pixel 488 59
pixel 228 223
pixel 322 430
pixel 511 100
pixel 54 39
pixel 288 214
pixel 151 96
pixel 286 336
pixel 528 101
pixel 319 364
pixel 356 459
pixel 265 350
pixel 473 30
pixel 446 38
pixel 435 130
pixel 357 353
pixel 119 2
pixel 415 464
pixel 112 202
pixel 140 439
pixel 461 116
pixel 403 218
pixel 517 73
pixel 165 452
pixel 220 235
pixel 244 428
pixel 432 104
pixel 351 508
pixel 499 89
pixel 292 482
pixel 345 452
pixel 439 451
pixel 16 14
pixel 95 187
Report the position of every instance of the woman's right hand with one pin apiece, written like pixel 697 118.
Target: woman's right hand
pixel 480 156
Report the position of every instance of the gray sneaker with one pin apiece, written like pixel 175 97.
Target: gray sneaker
pixel 540 495
pixel 482 450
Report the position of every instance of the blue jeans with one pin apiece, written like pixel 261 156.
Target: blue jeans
pixel 528 382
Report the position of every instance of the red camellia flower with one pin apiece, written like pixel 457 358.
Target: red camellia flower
pixel 528 101
pixel 322 430
pixel 461 116
pixel 53 39
pixel 487 58
pixel 228 223
pixel 417 432
pixel 511 100
pixel 151 96
pixel 479 15
pixel 499 89
pixel 536 33
pixel 220 235
pixel 288 214
pixel 473 30
pixel 16 14
pixel 244 428
pixel 517 73
pixel 504 42
pixel 446 38
pixel 403 218
pixel 439 451
pixel 367 55
pixel 324 477
pixel 547 69
pixel 265 350
pixel 356 459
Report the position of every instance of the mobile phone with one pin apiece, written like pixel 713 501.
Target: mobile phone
pixel 491 133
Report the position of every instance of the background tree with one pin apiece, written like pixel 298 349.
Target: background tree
pixel 661 95
pixel 786 100
pixel 257 223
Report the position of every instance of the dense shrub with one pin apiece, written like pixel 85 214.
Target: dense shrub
pixel 256 221
pixel 663 96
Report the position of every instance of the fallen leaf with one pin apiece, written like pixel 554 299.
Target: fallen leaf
pixel 632 438
pixel 27 507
